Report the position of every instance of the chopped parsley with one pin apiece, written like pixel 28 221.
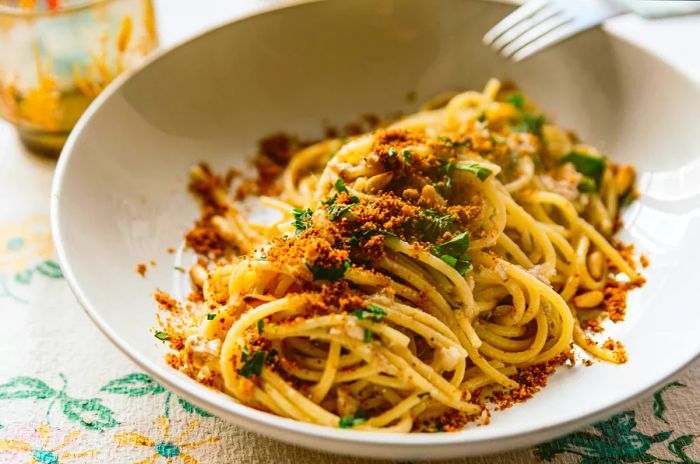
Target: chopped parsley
pixel 340 186
pixel 517 100
pixel 453 143
pixel 162 336
pixel 178 268
pixel 302 219
pixel 593 167
pixel 211 316
pixel 335 211
pixel 530 122
pixel 454 253
pixel 369 336
pixel 432 226
pixel 407 157
pixel 360 417
pixel 261 326
pixel 392 153
pixel 253 363
pixel 329 273
pixel 370 312
pixel 478 170
pixel 587 185
pixel 527 122
pixel 353 239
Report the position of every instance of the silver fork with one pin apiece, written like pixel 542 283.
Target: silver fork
pixel 538 24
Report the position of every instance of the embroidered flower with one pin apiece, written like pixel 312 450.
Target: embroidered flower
pixel 43 451
pixel 166 447
pixel 24 244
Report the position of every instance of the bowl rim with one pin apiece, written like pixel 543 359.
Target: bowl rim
pixel 248 417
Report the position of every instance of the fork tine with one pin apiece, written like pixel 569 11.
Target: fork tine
pixel 522 27
pixel 525 11
pixel 535 33
pixel 558 35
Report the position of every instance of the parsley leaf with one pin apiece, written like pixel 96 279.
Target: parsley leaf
pixel 453 143
pixel 340 186
pixel 530 122
pixel 261 326
pixel 369 336
pixel 347 422
pixel 353 239
pixel 432 226
pixel 211 316
pixel 335 211
pixel 329 273
pixel 178 268
pixel 372 311
pixel 162 336
pixel 478 170
pixel 454 253
pixel 407 157
pixel 517 100
pixel 588 165
pixel 302 219
pixel 253 364
pixel 587 185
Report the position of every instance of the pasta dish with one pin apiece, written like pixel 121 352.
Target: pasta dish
pixel 407 278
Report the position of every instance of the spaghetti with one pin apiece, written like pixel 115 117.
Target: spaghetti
pixel 411 271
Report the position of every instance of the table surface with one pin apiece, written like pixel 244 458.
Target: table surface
pixel 68 396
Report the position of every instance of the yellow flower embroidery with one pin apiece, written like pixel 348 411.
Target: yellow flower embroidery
pixel 43 452
pixel 24 243
pixel 165 447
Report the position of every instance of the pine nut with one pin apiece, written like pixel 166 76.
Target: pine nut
pixel 589 299
pixel 595 264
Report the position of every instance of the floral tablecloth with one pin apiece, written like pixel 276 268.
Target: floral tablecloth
pixel 68 396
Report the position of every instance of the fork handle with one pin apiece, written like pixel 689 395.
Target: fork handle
pixel 660 8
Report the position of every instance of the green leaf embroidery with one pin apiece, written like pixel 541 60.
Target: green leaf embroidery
pixel 617 441
pixel 50 269
pixel 678 446
pixel 659 406
pixel 91 414
pixel 26 387
pixel 191 408
pixel 24 277
pixel 134 385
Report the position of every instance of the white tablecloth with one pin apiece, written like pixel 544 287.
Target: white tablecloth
pixel 68 396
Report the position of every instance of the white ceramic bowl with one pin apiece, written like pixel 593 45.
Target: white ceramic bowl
pixel 120 198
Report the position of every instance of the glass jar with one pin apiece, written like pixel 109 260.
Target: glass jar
pixel 56 56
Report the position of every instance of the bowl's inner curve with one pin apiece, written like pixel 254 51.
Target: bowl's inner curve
pixel 123 200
